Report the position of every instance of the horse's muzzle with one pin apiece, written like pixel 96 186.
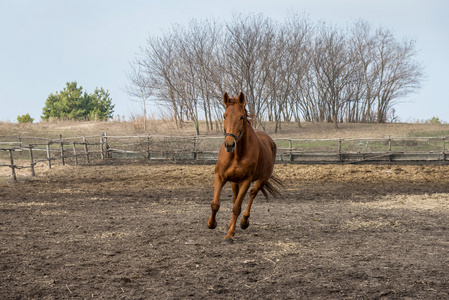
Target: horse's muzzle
pixel 230 147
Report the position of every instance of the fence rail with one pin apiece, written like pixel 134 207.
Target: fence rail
pixel 16 150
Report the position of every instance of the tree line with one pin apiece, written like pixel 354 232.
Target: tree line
pixel 289 71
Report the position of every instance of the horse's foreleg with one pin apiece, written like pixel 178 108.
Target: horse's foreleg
pixel 257 186
pixel 235 191
pixel 237 208
pixel 215 206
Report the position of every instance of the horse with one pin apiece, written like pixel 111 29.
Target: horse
pixel 246 156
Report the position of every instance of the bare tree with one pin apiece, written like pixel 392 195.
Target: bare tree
pixel 291 70
pixel 299 32
pixel 361 47
pixel 332 65
pixel 161 63
pixel 201 44
pixel 139 87
pixel 397 73
pixel 248 45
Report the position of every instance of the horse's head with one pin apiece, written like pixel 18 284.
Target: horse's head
pixel 235 117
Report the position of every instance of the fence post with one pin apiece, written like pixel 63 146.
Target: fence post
pixel 106 145
pixel 86 150
pixel 20 145
pixel 444 149
pixel 389 148
pixel 148 146
pixel 62 149
pixel 49 154
pixel 101 146
pixel 31 161
pixel 74 153
pixel 339 150
pixel 194 148
pixel 12 165
pixel 290 146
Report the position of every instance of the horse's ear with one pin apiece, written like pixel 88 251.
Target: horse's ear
pixel 226 99
pixel 242 99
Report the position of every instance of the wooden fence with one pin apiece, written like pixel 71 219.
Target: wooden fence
pixel 47 150
pixel 19 152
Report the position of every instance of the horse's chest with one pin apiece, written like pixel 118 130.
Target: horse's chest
pixel 237 173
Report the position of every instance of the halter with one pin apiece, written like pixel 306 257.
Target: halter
pixel 234 136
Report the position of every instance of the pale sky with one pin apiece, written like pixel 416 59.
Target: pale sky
pixel 46 43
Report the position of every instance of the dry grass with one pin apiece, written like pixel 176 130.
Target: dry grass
pixel 166 126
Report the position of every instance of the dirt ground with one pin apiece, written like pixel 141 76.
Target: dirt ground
pixel 115 231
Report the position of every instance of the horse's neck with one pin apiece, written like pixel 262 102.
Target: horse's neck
pixel 245 141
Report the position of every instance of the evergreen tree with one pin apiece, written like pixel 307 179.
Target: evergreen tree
pixel 25 119
pixel 74 104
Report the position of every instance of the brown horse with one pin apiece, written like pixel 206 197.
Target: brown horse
pixel 245 156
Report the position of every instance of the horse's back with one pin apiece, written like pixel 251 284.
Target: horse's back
pixel 267 143
pixel 267 156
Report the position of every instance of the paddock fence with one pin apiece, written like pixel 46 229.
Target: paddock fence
pixel 21 152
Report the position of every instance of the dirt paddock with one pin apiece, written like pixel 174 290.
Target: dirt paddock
pixel 139 232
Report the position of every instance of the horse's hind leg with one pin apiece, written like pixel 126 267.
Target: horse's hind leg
pixel 253 193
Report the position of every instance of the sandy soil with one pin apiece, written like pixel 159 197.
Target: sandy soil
pixel 139 232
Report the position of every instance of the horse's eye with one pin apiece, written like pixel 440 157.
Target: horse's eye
pixel 224 117
pixel 241 118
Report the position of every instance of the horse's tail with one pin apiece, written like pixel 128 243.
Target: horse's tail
pixel 273 186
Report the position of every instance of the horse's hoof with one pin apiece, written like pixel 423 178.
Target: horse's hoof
pixel 244 226
pixel 212 226
pixel 228 240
